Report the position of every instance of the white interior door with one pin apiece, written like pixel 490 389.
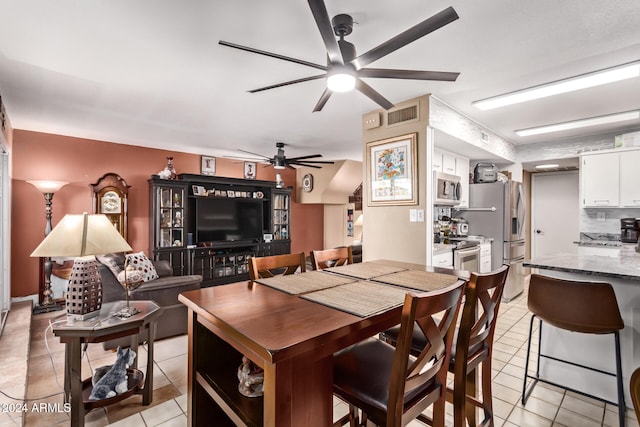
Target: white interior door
pixel 555 212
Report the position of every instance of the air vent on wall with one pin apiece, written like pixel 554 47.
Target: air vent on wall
pixel 402 115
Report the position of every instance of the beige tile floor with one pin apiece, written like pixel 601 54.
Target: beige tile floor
pixel 548 406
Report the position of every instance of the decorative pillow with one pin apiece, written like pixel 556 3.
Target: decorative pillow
pixel 115 262
pixel 141 263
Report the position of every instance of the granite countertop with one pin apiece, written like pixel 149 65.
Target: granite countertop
pixel 442 248
pixel 624 266
pixel 599 240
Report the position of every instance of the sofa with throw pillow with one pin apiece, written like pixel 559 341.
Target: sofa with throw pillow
pixel 159 285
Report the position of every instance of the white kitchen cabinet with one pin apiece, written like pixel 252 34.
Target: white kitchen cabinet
pixel 630 179
pixel 609 178
pixel 448 163
pixel 453 164
pixel 437 160
pixel 485 257
pixel 443 260
pixel 600 178
pixel 462 170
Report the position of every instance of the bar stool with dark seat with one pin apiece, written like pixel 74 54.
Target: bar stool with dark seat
pixel 635 391
pixel 473 347
pixel 389 385
pixel 584 307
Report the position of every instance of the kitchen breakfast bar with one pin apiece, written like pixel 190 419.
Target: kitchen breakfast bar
pixel 289 326
pixel 623 273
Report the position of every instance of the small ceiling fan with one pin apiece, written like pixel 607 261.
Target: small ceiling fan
pixel 280 161
pixel 344 70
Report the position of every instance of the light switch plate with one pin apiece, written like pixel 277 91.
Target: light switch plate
pixel 420 215
pixel 413 215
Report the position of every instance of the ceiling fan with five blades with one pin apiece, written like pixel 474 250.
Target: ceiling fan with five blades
pixel 345 70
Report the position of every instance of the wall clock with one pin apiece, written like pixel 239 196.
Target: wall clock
pixel 110 198
pixel 307 182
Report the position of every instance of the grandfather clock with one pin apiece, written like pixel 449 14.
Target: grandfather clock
pixel 110 198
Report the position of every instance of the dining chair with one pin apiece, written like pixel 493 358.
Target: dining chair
pixel 274 265
pixel 331 257
pixel 581 307
pixel 634 389
pixel 389 385
pixel 473 347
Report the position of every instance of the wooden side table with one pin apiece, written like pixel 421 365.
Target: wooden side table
pixel 104 327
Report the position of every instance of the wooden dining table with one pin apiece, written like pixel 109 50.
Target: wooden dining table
pixel 292 335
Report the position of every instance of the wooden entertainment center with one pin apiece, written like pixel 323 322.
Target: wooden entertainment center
pixel 210 225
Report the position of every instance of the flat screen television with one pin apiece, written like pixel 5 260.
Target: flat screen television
pixel 228 220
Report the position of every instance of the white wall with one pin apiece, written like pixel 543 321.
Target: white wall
pixel 335 226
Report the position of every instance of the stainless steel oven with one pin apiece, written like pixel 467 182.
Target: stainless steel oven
pixel 466 258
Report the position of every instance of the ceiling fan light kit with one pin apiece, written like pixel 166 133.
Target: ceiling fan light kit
pixel 341 78
pixel 345 69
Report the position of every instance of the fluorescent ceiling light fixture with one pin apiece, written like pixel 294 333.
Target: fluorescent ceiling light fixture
pixel 583 81
pixel 576 124
pixel 547 166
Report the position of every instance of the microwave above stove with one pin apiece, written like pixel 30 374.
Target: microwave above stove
pixel 447 189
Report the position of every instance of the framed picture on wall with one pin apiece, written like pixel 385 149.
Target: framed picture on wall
pixel 249 170
pixel 391 171
pixel 208 165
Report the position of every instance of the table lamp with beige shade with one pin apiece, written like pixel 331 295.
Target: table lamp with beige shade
pixel 83 236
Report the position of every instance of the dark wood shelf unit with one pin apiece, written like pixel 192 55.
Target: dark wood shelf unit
pixel 219 262
pixel 218 401
pixel 218 265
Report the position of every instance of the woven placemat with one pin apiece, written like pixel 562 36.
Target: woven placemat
pixel 417 279
pixel 364 270
pixel 360 298
pixel 305 282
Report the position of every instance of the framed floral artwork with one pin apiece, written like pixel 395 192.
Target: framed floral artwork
pixel 391 171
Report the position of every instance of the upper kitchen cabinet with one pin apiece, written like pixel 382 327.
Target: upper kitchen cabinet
pixel 629 179
pixel 609 178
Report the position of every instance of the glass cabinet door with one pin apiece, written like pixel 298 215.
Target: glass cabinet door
pixel 171 220
pixel 281 203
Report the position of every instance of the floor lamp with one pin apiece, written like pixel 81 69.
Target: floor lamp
pixel 47 188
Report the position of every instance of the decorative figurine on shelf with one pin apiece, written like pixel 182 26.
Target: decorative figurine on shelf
pixel 279 181
pixel 111 380
pixel 169 172
pixel 251 379
pixel 177 221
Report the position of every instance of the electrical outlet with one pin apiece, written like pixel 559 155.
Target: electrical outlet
pixel 601 216
pixel 420 215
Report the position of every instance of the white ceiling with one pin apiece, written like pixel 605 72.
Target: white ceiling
pixel 151 72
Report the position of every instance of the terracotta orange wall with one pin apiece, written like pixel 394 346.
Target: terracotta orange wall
pixel 81 162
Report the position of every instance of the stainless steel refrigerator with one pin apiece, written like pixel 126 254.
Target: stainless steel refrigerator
pixel 497 210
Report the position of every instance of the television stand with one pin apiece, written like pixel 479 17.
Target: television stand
pixel 193 242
